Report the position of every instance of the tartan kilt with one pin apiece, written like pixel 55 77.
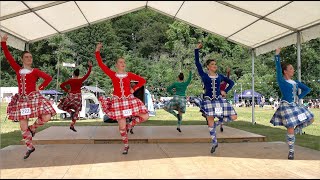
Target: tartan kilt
pixel 115 107
pixel 175 103
pixel 197 101
pixel 38 105
pixel 208 108
pixel 291 115
pixel 105 104
pixel 71 101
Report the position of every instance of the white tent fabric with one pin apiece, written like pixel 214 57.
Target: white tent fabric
pixel 259 25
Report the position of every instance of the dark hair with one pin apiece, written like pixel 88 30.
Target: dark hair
pixel 24 52
pixel 209 61
pixel 284 66
pixel 76 72
pixel 181 76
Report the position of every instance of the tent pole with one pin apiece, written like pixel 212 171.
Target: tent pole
pixel 57 85
pixel 253 104
pixel 27 46
pixel 299 61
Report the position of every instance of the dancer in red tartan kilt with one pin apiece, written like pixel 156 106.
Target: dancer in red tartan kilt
pixel 123 104
pixel 72 103
pixel 28 102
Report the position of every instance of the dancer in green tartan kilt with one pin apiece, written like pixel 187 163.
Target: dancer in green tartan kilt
pixel 178 102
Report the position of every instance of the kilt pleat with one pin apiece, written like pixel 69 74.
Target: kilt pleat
pixel 22 107
pixel 71 101
pixel 291 115
pixel 119 108
pixel 177 102
pixel 218 107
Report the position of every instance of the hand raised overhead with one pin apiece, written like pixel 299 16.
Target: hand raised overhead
pixel 89 63
pixel 99 46
pixel 278 51
pixel 4 38
pixel 199 46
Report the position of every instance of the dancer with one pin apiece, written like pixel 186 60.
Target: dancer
pixel 72 103
pixel 290 114
pixel 223 86
pixel 212 104
pixel 28 102
pixel 198 100
pixel 123 103
pixel 178 102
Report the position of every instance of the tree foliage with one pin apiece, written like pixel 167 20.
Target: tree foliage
pixel 159 48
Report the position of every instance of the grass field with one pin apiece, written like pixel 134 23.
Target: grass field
pixel 11 134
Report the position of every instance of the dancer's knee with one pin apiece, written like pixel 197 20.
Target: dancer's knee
pixel 46 117
pixel 145 116
pixel 210 121
pixel 23 125
pixel 290 130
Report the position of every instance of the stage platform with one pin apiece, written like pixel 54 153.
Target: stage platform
pixel 258 160
pixel 142 134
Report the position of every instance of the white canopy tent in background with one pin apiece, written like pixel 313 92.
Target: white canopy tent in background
pixel 259 25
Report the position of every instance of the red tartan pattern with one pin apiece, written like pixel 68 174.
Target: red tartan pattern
pixel 27 137
pixel 105 103
pixel 71 101
pixel 114 108
pixel 35 101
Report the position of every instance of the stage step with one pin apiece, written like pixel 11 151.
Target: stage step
pixel 142 134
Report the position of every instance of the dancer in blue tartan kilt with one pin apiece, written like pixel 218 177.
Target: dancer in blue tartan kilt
pixel 213 105
pixel 178 103
pixel 289 114
pixel 197 100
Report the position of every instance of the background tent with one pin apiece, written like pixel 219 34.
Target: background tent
pixel 247 94
pixel 50 92
pixel 93 89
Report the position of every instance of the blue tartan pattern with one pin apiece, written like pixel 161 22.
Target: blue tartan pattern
pixel 175 103
pixel 207 107
pixel 288 115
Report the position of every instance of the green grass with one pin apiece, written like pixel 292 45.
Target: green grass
pixel 10 131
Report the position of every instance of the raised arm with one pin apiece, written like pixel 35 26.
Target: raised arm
pixel 304 89
pixel 63 86
pixel 7 54
pixel 224 84
pixel 228 72
pixel 141 80
pixel 189 78
pixel 47 79
pixel 104 68
pixel 170 88
pixel 229 82
pixel 278 66
pixel 197 61
pixel 88 73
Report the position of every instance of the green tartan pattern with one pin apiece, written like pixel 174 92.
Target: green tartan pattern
pixel 175 103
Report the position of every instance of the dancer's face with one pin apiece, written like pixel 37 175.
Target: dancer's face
pixel 212 66
pixel 289 71
pixel 121 64
pixel 27 59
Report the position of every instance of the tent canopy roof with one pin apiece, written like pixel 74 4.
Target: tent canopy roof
pixel 260 25
pixel 248 94
pixel 93 89
pixel 51 92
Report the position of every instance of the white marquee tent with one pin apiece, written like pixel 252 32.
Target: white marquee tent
pixel 259 25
